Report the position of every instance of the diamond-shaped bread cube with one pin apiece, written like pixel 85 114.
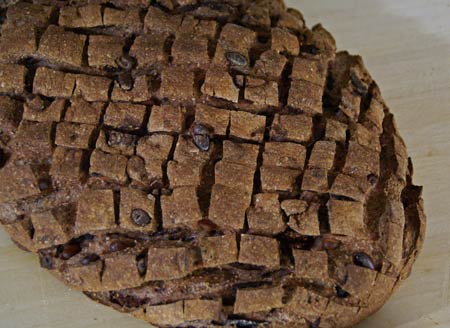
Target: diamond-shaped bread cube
pixel 110 166
pixel 10 115
pixel 270 65
pixel 235 175
pixel 167 118
pixel 53 227
pixel 220 84
pixel 322 155
pixel 104 50
pixel 335 131
pixel 214 118
pixel 182 174
pixel 310 304
pixel 251 300
pixel 265 216
pixel 228 206
pixel 310 70
pixel 311 264
pixel 261 92
pixel 181 209
pixel 285 42
pixel 12 78
pixel 234 38
pixel 361 161
pixel 40 144
pixel 247 126
pixel 175 88
pixel 296 128
pixel 303 217
pixel 203 28
pixel 17 43
pixel 51 83
pixel 81 17
pixel 284 154
pixel 305 96
pixel 114 142
pixel 171 314
pixel 148 49
pixel 259 251
pixel 187 151
pixel 95 211
pixel 75 135
pixel 350 186
pixel 158 21
pixel 139 92
pixel 315 180
pixel 154 150
pixel 366 137
pixel 346 218
pixel 240 153
pixel 52 112
pixel 120 272
pixel 350 104
pixel 278 179
pixel 360 282
pixel 60 46
pixel 168 263
pixel 28 14
pixel 129 117
pixel 127 20
pixel 204 310
pixel 67 163
pixel 219 250
pixel 81 111
pixel 190 49
pixel 18 182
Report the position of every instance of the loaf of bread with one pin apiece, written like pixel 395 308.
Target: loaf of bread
pixel 202 163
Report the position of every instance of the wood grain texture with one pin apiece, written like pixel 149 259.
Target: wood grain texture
pixel 406 47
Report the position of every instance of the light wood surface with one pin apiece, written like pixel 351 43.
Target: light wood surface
pixel 406 46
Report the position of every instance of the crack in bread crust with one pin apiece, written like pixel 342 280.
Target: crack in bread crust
pixel 202 163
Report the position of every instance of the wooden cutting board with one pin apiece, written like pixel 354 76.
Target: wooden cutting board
pixel 406 46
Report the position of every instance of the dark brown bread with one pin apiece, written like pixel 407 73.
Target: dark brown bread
pixel 201 163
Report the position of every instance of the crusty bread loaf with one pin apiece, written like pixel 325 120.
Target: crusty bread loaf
pixel 201 163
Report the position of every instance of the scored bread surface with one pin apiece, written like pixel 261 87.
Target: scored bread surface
pixel 201 163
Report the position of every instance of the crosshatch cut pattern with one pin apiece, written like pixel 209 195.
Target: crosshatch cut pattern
pixel 202 163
